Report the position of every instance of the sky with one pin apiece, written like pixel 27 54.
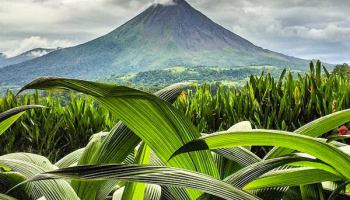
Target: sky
pixel 312 29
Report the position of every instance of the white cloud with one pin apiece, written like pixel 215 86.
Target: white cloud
pixel 165 2
pixel 39 53
pixel 331 32
pixel 35 42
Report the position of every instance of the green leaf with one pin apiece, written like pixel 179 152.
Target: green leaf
pixel 9 180
pixel 312 192
pixel 136 191
pixel 337 137
pixel 326 71
pixel 239 155
pixel 4 168
pixel 315 147
pixel 116 147
pixel 338 190
pixel 97 189
pixel 34 159
pixel 153 192
pixel 70 159
pixel 117 195
pixel 30 165
pixel 139 111
pixel 160 175
pixel 291 177
pixel 315 129
pixel 7 118
pixel 251 172
pixel 6 197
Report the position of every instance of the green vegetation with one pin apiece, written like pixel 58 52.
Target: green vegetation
pixel 65 126
pixel 277 139
pixel 159 78
pixel 342 70
pixel 155 152
pixel 285 103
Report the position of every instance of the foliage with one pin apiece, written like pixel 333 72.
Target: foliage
pixel 285 103
pixel 171 154
pixel 66 126
pixel 342 70
pixel 156 78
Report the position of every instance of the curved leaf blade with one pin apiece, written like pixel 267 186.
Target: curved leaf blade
pixel 139 110
pixel 239 155
pixel 6 197
pixel 136 191
pixel 159 175
pixel 115 149
pixel 30 165
pixel 315 129
pixel 292 177
pixel 251 172
pixel 317 148
pixel 70 159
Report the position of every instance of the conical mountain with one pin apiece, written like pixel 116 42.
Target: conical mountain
pixel 164 35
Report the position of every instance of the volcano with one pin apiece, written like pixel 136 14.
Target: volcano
pixel 162 36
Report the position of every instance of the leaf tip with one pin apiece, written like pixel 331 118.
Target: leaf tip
pixel 194 145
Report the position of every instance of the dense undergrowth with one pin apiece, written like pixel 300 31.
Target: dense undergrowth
pixel 285 103
pixel 66 125
pixel 155 152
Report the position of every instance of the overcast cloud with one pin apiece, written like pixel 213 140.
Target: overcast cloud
pixel 306 29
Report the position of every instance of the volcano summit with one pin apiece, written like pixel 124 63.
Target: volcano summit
pixel 162 36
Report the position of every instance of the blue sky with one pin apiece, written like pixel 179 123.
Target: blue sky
pixel 313 29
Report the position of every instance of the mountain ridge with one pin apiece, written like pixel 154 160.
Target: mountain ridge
pixel 159 37
pixel 25 56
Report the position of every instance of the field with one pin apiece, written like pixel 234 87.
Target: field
pixel 269 138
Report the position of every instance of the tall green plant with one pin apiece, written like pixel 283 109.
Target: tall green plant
pixel 316 162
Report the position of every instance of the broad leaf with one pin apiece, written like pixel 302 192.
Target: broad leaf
pixel 29 165
pixel 315 129
pixel 251 172
pixel 292 177
pixel 116 147
pixel 315 147
pixel 70 159
pixel 239 155
pixel 9 180
pixel 152 119
pixel 136 191
pixel 160 175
